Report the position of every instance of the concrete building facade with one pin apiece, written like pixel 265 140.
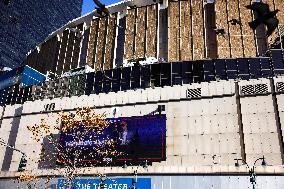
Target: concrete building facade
pixel 217 110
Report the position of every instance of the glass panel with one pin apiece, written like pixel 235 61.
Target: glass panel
pixel 107 77
pixel 26 93
pixel 220 69
pixel 165 74
pixel 90 83
pixel 9 95
pixel 156 74
pixel 145 76
pixel 254 66
pixel 98 82
pixel 198 71
pixel 135 77
pixel 232 70
pixel 187 75
pixel 243 68
pixel 265 67
pixel 116 75
pixel 125 78
pixel 277 61
pixel 209 70
pixel 176 73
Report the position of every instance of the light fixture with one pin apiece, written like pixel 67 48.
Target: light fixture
pixel 145 165
pixel 237 163
pixel 161 108
pixel 263 163
pixel 124 166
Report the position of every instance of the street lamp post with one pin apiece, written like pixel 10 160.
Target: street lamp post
pixel 135 178
pixel 252 173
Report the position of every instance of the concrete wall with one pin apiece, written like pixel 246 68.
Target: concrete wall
pixel 205 133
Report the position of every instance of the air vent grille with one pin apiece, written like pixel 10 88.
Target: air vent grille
pixel 194 93
pixel 280 86
pixel 254 89
pixel 247 90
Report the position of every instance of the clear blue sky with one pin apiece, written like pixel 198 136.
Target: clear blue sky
pixel 89 5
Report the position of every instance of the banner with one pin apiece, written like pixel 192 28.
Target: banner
pixel 110 183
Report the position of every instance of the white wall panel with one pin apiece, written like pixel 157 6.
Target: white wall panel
pixel 180 145
pixel 198 122
pixel 206 125
pixel 27 107
pixel 274 142
pixel 248 141
pixel 200 142
pixel 64 103
pixel 215 145
pixel 164 92
pixel 232 123
pixel 280 102
pixel 150 95
pixel 183 92
pixel 102 99
pixel 194 108
pixel 205 89
pixel 119 97
pixel 219 88
pixel 266 143
pixel 256 144
pixel 170 145
pixel 191 126
pixel 179 126
pixel 9 111
pixel 212 88
pixel 144 96
pixel 191 148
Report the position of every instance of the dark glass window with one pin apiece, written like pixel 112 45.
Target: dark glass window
pixel 254 66
pixel 209 70
pixel 14 92
pixel 98 82
pixel 125 78
pixel 145 76
pixel 165 74
pixel 176 73
pixel 25 94
pixel 232 69
pixel 19 97
pixel 135 77
pixel 9 95
pixel 3 96
pixel 156 74
pixel 116 77
pixel 265 67
pixel 277 61
pixel 220 69
pixel 107 77
pixel 187 75
pixel 198 71
pixel 90 83
pixel 243 68
pixel 29 93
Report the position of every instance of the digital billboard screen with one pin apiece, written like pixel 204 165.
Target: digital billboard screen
pixel 130 139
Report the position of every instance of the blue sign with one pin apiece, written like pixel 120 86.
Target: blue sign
pixel 111 183
pixel 135 139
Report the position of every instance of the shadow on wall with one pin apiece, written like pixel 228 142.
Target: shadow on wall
pixel 12 140
pixel 49 151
